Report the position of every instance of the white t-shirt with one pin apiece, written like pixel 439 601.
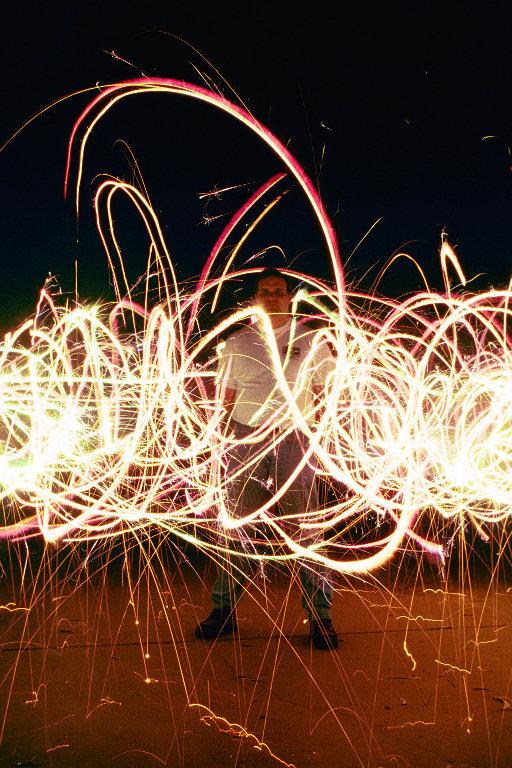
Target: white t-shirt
pixel 245 365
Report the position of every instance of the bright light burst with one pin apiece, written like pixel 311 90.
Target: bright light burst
pixel 104 432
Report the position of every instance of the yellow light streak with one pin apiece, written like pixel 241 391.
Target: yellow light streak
pixel 235 729
pixel 410 656
pixel 453 666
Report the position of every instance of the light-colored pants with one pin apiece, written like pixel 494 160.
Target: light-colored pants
pixel 249 491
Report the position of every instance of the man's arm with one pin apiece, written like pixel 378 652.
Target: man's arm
pixel 317 397
pixel 325 365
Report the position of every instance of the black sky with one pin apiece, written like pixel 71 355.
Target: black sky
pixel 389 102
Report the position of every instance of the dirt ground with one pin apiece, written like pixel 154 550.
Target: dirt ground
pixel 99 666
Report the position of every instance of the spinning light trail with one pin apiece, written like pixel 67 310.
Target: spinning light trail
pixel 104 432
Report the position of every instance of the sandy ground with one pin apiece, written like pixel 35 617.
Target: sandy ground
pixel 100 667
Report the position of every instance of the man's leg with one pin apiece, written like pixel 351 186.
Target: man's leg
pixel 300 499
pixel 246 489
pixel 226 592
pixel 229 584
pixel 317 591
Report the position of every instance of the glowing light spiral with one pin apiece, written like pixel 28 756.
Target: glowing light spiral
pixel 104 432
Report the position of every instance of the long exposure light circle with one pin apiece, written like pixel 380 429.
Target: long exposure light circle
pixel 104 432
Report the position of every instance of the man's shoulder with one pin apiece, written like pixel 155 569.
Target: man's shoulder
pixel 305 326
pixel 238 337
pixel 311 334
pixel 304 330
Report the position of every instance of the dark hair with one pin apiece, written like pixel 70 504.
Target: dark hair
pixel 270 272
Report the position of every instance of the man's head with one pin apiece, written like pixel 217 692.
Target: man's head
pixel 273 294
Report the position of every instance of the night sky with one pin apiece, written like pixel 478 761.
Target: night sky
pixel 389 104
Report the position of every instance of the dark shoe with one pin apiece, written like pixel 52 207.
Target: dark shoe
pixel 221 621
pixel 323 635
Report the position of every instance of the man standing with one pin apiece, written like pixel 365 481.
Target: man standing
pixel 256 403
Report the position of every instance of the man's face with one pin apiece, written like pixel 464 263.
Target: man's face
pixel 272 295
